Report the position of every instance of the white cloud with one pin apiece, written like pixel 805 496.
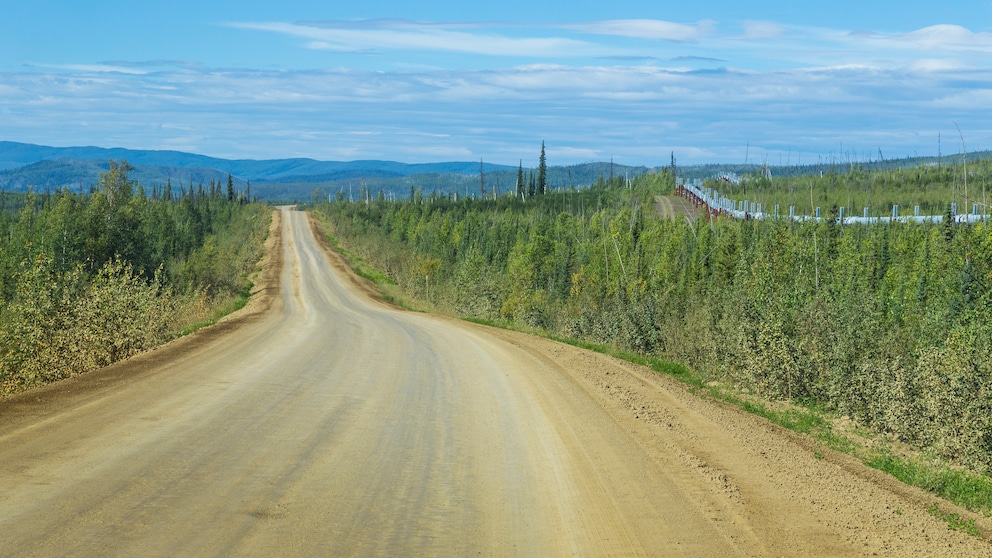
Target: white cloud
pixel 424 37
pixel 95 68
pixel 937 64
pixel 760 45
pixel 648 29
pixel 947 37
pixel 941 38
pixel 763 30
pixel 966 101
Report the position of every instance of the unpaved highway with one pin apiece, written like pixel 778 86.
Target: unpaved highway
pixel 328 424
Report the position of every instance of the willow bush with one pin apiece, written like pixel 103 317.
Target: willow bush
pixel 60 326
pixel 87 279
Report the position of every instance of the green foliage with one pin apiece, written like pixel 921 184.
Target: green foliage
pixel 954 521
pixel 961 487
pixel 542 173
pixel 858 186
pixel 86 280
pixel 521 185
pixel 60 324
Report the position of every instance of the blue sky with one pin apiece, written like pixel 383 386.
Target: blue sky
pixel 772 82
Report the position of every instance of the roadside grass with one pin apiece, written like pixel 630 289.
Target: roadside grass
pixel 228 307
pixel 388 288
pixel 954 521
pixel 967 489
pixel 358 264
pixel 231 303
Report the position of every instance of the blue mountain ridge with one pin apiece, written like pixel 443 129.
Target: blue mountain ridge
pixel 14 155
pixel 25 167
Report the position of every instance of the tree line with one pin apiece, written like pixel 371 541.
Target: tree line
pixel 932 187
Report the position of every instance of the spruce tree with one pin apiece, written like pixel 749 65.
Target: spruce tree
pixel 521 185
pixel 542 173
pixel 230 188
pixel 482 181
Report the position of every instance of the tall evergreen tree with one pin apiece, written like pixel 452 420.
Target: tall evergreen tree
pixel 521 185
pixel 542 173
pixel 482 181
pixel 230 188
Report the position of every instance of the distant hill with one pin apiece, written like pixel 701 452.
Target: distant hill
pixel 80 174
pixel 24 165
pixel 47 168
pixel 15 155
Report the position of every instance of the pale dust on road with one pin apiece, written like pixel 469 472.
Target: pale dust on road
pixel 322 422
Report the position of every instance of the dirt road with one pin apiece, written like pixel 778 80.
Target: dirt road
pixel 332 425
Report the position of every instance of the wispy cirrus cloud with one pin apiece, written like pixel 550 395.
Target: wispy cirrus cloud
pixel 948 38
pixel 767 45
pixel 94 68
pixel 363 37
pixel 763 30
pixel 653 29
pixel 697 59
pixel 754 44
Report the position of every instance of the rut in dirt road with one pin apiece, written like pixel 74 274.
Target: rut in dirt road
pixel 332 425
